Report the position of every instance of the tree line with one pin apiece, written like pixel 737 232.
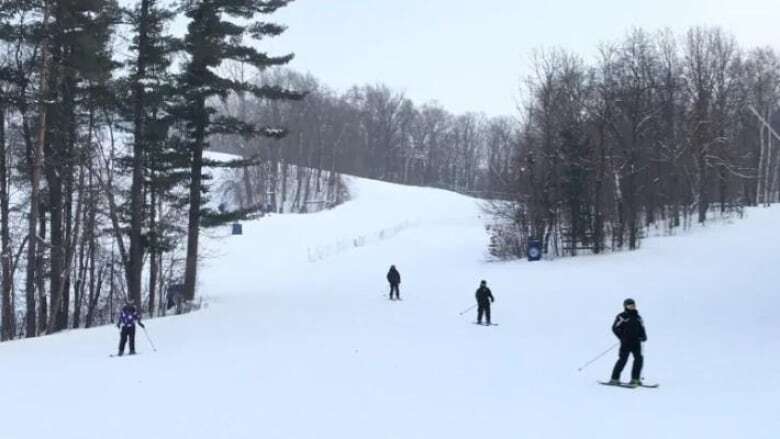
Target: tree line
pixel 661 131
pixel 377 132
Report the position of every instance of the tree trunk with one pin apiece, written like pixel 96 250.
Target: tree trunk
pixel 35 158
pixel 193 227
pixel 768 172
pixel 94 295
pixel 153 247
pixel 8 314
pixel 703 193
pixel 40 274
pixel 55 151
pixel 137 187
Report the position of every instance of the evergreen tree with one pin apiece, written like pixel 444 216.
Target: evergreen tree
pixel 150 84
pixel 213 38
pixel 81 69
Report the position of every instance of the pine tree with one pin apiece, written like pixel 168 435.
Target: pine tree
pixel 81 69
pixel 149 76
pixel 214 38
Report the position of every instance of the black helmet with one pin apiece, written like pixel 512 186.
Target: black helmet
pixel 483 283
pixel 629 301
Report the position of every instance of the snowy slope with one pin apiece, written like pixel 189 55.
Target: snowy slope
pixel 290 348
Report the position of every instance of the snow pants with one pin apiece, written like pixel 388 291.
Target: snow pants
pixel 634 348
pixel 127 333
pixel 394 287
pixel 483 309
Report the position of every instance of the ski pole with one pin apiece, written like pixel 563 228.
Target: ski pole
pixel 467 310
pixel 148 338
pixel 597 357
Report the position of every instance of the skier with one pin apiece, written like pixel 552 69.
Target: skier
pixel 484 299
pixel 394 277
pixel 630 329
pixel 127 320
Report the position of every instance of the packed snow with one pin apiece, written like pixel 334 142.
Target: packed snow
pixel 292 346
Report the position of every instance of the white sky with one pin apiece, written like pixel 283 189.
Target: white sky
pixel 472 55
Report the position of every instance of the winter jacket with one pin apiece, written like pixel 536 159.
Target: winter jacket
pixel 484 296
pixel 128 317
pixel 393 276
pixel 629 328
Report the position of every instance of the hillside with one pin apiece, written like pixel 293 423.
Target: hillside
pixel 299 340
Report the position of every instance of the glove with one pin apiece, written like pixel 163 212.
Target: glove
pixel 117 326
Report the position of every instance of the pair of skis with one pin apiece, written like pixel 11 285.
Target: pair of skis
pixel 629 385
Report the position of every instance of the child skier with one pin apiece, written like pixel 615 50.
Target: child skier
pixel 128 317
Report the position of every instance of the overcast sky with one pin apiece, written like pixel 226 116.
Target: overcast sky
pixel 472 55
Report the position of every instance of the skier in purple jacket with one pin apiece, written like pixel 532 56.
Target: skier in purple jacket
pixel 128 317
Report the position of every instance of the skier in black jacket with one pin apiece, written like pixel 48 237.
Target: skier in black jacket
pixel 484 299
pixel 394 277
pixel 630 329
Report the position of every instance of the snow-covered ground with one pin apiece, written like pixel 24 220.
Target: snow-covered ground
pixel 290 348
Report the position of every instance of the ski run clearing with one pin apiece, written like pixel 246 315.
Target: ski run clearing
pixel 298 346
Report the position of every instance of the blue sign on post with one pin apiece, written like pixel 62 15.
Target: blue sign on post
pixel 534 250
pixel 237 229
